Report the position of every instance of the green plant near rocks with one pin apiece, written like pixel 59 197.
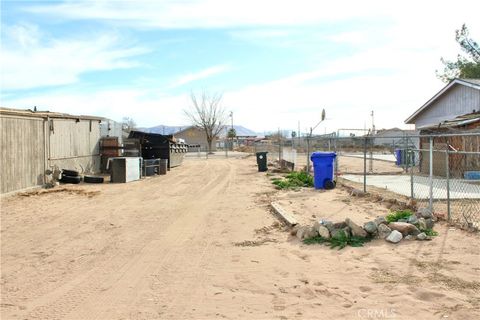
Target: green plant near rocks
pixel 429 232
pixel 398 215
pixel 340 240
pixel 294 180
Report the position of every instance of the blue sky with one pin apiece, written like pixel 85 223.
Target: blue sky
pixel 277 62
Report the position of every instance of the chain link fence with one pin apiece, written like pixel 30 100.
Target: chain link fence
pixel 439 171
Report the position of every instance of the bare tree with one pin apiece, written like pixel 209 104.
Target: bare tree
pixel 128 124
pixel 208 114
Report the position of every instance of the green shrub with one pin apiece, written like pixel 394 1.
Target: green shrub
pixel 294 180
pixel 430 232
pixel 340 240
pixel 398 215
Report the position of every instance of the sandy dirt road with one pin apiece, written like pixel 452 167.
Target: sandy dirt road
pixel 200 243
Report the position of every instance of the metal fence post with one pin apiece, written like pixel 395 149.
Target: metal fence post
pixel 336 158
pixel 308 155
pixel 447 165
pixel 412 195
pixel 365 165
pixel 430 203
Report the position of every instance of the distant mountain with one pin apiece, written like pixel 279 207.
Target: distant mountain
pixel 161 129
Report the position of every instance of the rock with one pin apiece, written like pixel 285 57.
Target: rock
pixel 409 237
pixel 356 230
pixel 323 232
pixel 301 232
pixel 339 225
pixel 294 230
pixel 429 223
pixel 412 203
pixel 394 237
pixel 370 227
pixel 380 220
pixel 421 236
pixel 424 213
pixel 383 231
pixel 412 219
pixel 310 233
pixel 422 224
pixel 328 225
pixel 337 232
pixel 404 227
pixel 347 231
pixel 357 193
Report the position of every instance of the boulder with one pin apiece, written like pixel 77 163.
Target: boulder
pixel 424 213
pixel 421 236
pixel 328 225
pixel 370 227
pixel 409 237
pixel 412 219
pixel 383 231
pixel 294 230
pixel 347 231
pixel 339 225
pixel 321 229
pixel 357 193
pixel 301 232
pixel 422 224
pixel 323 232
pixel 380 220
pixel 394 237
pixel 310 233
pixel 404 227
pixel 356 230
pixel 336 233
pixel 429 223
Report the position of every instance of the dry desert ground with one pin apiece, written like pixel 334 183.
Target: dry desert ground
pixel 202 243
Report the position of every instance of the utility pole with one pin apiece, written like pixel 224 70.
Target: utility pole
pixel 309 136
pixel 231 117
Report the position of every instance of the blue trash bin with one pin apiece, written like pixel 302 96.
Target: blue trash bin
pixel 398 156
pixel 323 168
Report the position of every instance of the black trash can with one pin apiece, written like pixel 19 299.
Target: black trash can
pixel 262 161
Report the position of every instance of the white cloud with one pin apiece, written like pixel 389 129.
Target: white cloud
pixel 147 107
pixel 203 74
pixel 30 59
pixel 239 13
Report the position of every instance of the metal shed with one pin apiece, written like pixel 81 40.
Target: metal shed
pixel 32 142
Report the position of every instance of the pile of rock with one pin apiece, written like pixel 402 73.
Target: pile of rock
pixel 394 232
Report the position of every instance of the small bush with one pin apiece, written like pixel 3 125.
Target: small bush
pixel 430 232
pixel 294 180
pixel 340 240
pixel 398 215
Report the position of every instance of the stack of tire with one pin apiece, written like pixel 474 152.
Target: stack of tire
pixel 72 176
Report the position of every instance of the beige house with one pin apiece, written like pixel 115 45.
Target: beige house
pixel 195 136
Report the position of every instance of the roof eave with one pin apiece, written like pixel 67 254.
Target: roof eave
pixel 410 119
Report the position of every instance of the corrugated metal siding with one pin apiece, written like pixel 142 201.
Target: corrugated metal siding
pixel 459 100
pixel 74 144
pixel 22 153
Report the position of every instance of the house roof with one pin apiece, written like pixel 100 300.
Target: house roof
pixel 45 114
pixel 186 129
pixel 456 122
pixel 472 83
